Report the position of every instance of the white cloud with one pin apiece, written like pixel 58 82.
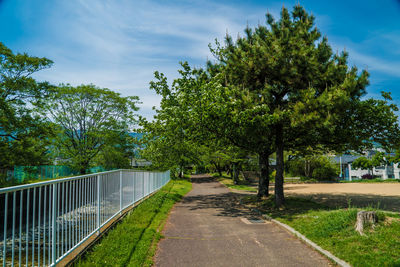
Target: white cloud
pixel 119 44
pixel 372 63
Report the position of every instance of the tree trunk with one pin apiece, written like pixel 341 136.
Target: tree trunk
pixel 235 173
pixel 181 171
pixel 279 196
pixel 218 168
pixel 231 171
pixel 365 218
pixel 307 168
pixel 263 181
pixel 84 167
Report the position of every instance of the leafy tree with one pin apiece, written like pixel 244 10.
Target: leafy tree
pixel 315 166
pixel 117 152
pixel 215 158
pixel 24 132
pixel 91 120
pixel 369 164
pixel 296 90
pixel 168 141
pixel 216 114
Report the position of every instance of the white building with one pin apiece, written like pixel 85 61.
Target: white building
pixel 348 173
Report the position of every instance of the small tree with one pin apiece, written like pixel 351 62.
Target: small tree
pixel 168 141
pixel 370 163
pixel 89 119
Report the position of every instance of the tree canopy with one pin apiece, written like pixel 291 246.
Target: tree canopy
pixel 90 119
pixel 280 87
pixel 24 132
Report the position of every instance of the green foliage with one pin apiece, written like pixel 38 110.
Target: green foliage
pixel 170 140
pixel 24 131
pixel 362 163
pixel 117 152
pixel 241 186
pixel 284 76
pixel 91 121
pixel 216 159
pixel 333 230
pixel 318 167
pixel 378 159
pixel 133 241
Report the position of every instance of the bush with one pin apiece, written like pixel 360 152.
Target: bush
pixel 327 172
pixel 317 167
pixel 272 175
pixel 367 176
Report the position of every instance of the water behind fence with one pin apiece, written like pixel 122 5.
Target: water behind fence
pixel 43 222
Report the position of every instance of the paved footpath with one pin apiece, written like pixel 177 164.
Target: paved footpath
pixel 207 229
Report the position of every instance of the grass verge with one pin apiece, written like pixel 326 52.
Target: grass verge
pixel 133 241
pixel 229 183
pixel 333 230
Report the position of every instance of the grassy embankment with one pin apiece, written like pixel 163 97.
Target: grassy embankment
pixel 133 241
pixel 333 230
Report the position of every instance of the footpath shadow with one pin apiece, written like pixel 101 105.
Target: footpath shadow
pixel 225 203
pixel 200 179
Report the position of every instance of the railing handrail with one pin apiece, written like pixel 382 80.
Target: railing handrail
pixel 60 180
pixel 46 221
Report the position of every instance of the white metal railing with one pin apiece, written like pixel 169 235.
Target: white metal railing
pixel 44 222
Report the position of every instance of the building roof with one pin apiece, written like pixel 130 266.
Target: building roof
pixel 346 158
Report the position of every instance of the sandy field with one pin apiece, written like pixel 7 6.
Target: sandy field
pixel 383 195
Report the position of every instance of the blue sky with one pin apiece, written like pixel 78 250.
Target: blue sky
pixel 118 44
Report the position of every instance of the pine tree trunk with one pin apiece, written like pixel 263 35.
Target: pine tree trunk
pixel 263 182
pixel 279 196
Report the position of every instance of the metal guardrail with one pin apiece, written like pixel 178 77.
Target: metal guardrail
pixel 44 222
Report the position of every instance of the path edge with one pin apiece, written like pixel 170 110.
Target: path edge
pixel 326 253
pixel 297 234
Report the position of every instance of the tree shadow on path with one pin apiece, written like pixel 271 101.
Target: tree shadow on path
pixel 223 202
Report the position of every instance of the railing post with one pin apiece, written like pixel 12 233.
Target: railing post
pixel 134 187
pixel 120 192
pixel 142 184
pixel 53 228
pixel 98 204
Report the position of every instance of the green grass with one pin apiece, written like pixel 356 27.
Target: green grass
pixel 376 180
pixel 333 230
pixel 241 186
pixel 133 241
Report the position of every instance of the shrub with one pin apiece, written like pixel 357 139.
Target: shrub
pixel 317 167
pixel 367 176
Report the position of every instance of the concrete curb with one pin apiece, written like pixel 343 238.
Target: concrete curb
pixel 324 252
pixel 309 242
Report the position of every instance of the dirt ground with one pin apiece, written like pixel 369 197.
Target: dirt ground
pixel 383 195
